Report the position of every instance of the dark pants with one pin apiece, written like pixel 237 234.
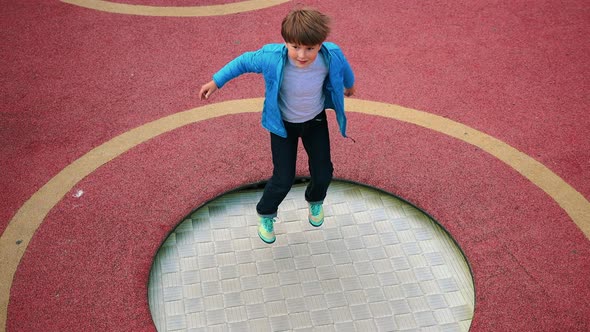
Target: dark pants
pixel 316 141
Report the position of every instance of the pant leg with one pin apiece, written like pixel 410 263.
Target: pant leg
pixel 316 140
pixel 284 158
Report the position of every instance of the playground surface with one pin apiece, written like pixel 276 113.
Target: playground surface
pixel 474 113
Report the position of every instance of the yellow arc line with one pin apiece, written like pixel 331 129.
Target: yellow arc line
pixel 30 216
pixel 569 199
pixel 178 11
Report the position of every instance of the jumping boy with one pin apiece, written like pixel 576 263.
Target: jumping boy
pixel 303 77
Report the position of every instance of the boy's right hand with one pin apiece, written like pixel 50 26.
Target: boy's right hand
pixel 207 90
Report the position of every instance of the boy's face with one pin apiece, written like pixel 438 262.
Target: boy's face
pixel 303 55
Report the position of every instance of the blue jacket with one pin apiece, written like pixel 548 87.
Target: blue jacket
pixel 270 61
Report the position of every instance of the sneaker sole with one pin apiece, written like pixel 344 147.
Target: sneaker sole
pixel 265 240
pixel 315 224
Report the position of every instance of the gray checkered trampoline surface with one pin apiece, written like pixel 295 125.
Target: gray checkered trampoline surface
pixel 376 264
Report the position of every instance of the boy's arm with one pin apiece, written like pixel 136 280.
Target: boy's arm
pixel 348 76
pixel 245 63
pixel 346 70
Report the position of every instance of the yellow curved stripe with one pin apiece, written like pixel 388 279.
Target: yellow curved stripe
pixel 178 11
pixel 569 199
pixel 30 216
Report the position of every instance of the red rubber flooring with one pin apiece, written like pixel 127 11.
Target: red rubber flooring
pixel 73 78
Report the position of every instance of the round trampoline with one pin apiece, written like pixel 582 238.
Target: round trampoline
pixel 377 263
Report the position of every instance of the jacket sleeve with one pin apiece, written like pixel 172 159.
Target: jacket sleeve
pixel 249 62
pixel 347 73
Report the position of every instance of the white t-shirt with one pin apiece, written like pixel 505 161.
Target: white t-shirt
pixel 301 96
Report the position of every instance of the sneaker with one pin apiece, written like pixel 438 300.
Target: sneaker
pixel 266 229
pixel 316 215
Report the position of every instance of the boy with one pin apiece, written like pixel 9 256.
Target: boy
pixel 303 77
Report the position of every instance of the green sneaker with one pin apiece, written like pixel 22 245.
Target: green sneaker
pixel 316 215
pixel 266 229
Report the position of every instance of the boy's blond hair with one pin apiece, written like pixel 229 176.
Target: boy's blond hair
pixel 305 26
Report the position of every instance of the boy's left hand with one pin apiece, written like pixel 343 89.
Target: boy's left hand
pixel 207 90
pixel 349 92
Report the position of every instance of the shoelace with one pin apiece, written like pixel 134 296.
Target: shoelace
pixel 267 223
pixel 315 209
